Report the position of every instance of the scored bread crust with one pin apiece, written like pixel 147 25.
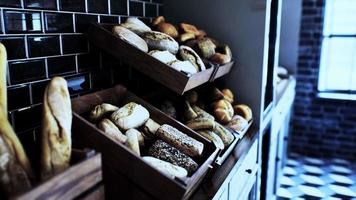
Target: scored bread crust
pixel 130 37
pixel 56 128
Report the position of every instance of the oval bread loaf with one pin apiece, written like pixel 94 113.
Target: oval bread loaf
pixel 238 123
pixel 132 115
pixel 166 167
pixel 226 136
pixel 210 135
pixel 130 37
pixel 101 110
pixel 160 41
pixel 135 25
pixel 132 141
pixel 163 56
pixel 179 140
pixel 111 130
pixel 184 66
pixel 189 54
pixel 223 111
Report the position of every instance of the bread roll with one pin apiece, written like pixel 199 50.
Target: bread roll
pixel 130 37
pixel 168 29
pixel 223 111
pixel 228 96
pixel 181 141
pixel 210 135
pixel 201 113
pixel 132 115
pixel 132 141
pixel 166 167
pixel 244 111
pixel 220 58
pixel 189 113
pixel 150 128
pixel 189 28
pixel 164 151
pixel 56 128
pixel 226 136
pixel 200 123
pixel 185 37
pixel 206 48
pixel 101 111
pixel 188 54
pixel 238 123
pixel 135 25
pixel 111 131
pixel 160 41
pixel 158 20
pixel 183 66
pixel 15 169
pixel 163 56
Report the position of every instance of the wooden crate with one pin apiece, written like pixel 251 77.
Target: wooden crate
pixel 79 179
pixel 119 159
pixel 221 70
pixel 179 82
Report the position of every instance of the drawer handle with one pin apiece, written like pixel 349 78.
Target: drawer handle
pixel 249 171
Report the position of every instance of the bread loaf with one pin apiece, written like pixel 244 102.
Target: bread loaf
pixel 226 136
pixel 150 128
pixel 166 167
pixel 223 55
pixel 101 111
pixel 168 29
pixel 189 28
pixel 238 123
pixel 164 151
pixel 201 113
pixel 160 41
pixel 132 141
pixel 111 131
pixel 200 123
pixel 15 168
pixel 183 66
pixel 244 111
pixel 189 54
pixel 135 25
pixel 132 115
pixel 206 48
pixel 163 56
pixel 210 135
pixel 179 140
pixel 56 128
pixel 228 96
pixel 223 111
pixel 130 37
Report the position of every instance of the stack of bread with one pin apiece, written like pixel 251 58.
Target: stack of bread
pixel 162 146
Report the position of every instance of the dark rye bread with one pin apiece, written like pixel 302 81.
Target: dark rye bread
pixel 164 151
pixel 179 140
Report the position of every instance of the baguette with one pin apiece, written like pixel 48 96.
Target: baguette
pixel 226 136
pixel 166 167
pixel 56 128
pixel 15 170
pixel 201 123
pixel 181 141
pixel 132 141
pixel 111 131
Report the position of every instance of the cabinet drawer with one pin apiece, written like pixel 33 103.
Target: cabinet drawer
pixel 243 173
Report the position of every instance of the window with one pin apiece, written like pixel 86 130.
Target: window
pixel 338 54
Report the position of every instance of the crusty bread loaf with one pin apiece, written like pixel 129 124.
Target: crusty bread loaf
pixel 132 141
pixel 100 111
pixel 179 140
pixel 56 128
pixel 130 37
pixel 200 123
pixel 166 167
pixel 189 54
pixel 183 66
pixel 228 95
pixel 160 41
pixel 164 151
pixel 168 29
pixel 135 25
pixel 238 123
pixel 202 113
pixel 111 131
pixel 163 56
pixel 210 135
pixel 244 111
pixel 189 28
pixel 15 168
pixel 206 48
pixel 131 115
pixel 226 136
pixel 223 111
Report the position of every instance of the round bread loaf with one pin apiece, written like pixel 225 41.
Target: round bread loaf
pixel 244 111
pixel 160 41
pixel 206 48
pixel 223 111
pixel 131 115
pixel 238 123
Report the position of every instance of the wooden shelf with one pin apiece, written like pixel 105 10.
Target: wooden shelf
pixel 179 82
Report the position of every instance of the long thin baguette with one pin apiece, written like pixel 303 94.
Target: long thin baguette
pixel 15 171
pixel 56 128
pixel 201 123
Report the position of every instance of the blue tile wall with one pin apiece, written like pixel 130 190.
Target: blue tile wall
pixel 45 38
pixel 320 127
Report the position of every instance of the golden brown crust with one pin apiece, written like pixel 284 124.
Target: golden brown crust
pixel 228 96
pixel 56 128
pixel 168 29
pixel 223 111
pixel 185 37
pixel 244 111
pixel 111 130
pixel 189 28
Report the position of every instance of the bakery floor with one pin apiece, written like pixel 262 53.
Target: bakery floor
pixel 312 178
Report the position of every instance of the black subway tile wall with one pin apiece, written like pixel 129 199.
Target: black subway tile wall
pixel 45 38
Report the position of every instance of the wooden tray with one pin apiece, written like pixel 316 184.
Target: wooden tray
pixel 221 70
pixel 77 180
pixel 179 82
pixel 122 161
